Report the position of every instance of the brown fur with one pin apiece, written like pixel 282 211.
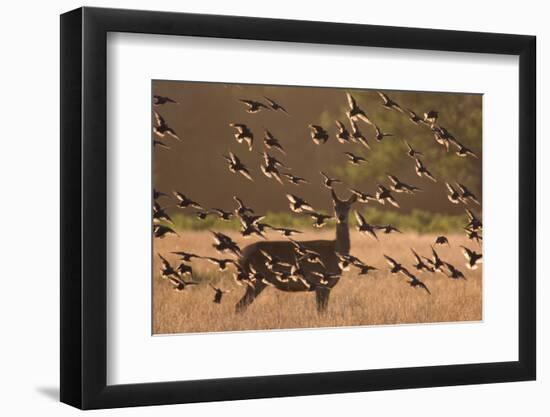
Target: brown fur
pixel 327 249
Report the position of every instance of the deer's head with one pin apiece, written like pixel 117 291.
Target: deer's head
pixel 342 207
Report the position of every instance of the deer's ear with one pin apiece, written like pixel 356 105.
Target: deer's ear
pixel 334 196
pixel 352 199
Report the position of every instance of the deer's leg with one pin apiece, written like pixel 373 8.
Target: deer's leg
pixel 249 296
pixel 321 296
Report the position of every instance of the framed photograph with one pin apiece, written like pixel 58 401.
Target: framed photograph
pixel 257 208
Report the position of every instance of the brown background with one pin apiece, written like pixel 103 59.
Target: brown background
pixel 196 167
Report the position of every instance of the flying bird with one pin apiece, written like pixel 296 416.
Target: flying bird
pixel 161 129
pixel 318 134
pixel 179 284
pixel 442 240
pixel 270 171
pixel 383 194
pixel 254 106
pixel 443 137
pixel 436 261
pixel 454 273
pixel 218 293
pixel 241 207
pixel 222 264
pixel 364 227
pixel 286 231
pixel 473 223
pixel 420 264
pixel 275 106
pixel 244 134
pixel 166 269
pixel 223 243
pixel 240 275
pixel 355 113
pixel 320 219
pixel 236 166
pixel 473 258
pixel 389 228
pixel 186 256
pixel 293 179
pixel 412 152
pixel 250 227
pixel 271 160
pixel 271 142
pixel 328 181
pixel 467 194
pixel 379 134
pixel 464 151
pixel 158 194
pixel 325 277
pixel 363 197
pixel 357 135
pixel 364 269
pixel 184 269
pixel 160 214
pixel 223 215
pixel 396 267
pixel 401 187
pixel 354 159
pixel 160 231
pixel 307 254
pixel 389 104
pixel 273 261
pixel 453 196
pixel 343 135
pixel 202 214
pixel 413 117
pixel 421 170
pixel 473 235
pixel 160 100
pixel 345 260
pixel 185 202
pixel 415 282
pixel 298 205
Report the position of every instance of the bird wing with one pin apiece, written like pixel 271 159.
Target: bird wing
pixel 429 175
pixel 416 256
pixel 364 118
pixel 393 179
pixel 450 188
pixel 392 201
pixel 360 218
pixel 351 100
pixel 172 133
pixel 467 252
pixel 292 198
pixel 159 119
pixel 422 285
pixel 384 97
pixel 392 262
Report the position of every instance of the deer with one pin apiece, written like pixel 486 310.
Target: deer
pixel 253 258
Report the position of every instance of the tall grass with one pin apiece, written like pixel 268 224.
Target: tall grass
pixel 378 298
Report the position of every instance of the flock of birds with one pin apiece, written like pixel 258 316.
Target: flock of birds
pixel 273 168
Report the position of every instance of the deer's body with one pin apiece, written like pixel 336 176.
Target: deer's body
pixel 285 251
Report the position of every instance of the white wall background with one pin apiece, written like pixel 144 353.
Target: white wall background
pixel 29 175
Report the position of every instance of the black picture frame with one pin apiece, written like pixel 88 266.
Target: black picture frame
pixel 84 207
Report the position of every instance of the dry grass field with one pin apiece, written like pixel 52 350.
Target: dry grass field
pixel 379 298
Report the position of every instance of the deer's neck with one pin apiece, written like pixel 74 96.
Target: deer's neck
pixel 342 238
